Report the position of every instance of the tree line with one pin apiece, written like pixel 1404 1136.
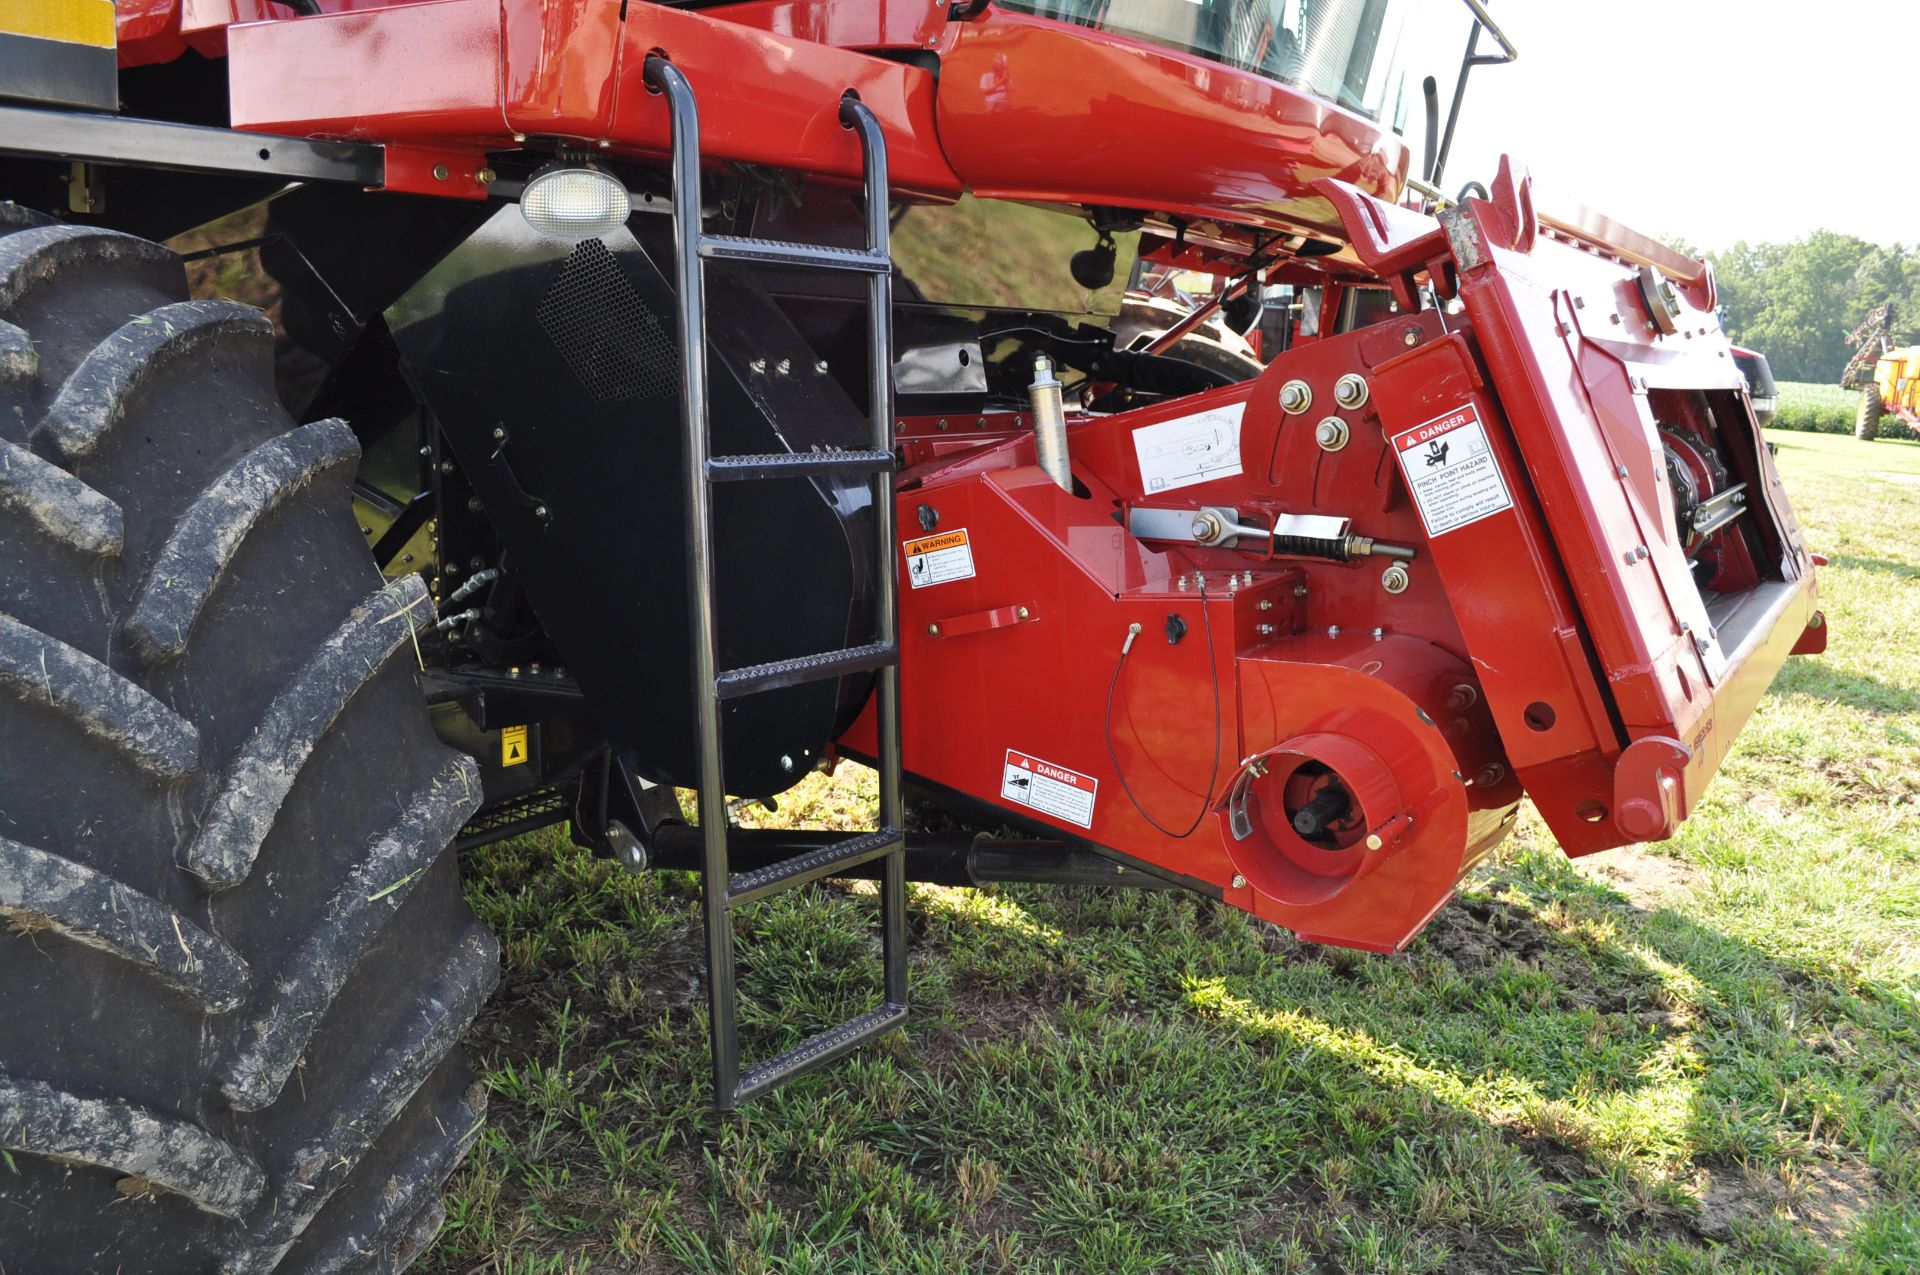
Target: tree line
pixel 1796 302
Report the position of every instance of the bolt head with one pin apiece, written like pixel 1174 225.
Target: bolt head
pixel 1331 433
pixel 1395 579
pixel 786 763
pixel 439 172
pixel 1239 882
pixel 1350 391
pixel 1410 337
pixel 933 630
pixel 1295 396
pixel 1023 614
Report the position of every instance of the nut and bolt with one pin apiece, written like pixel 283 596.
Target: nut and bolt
pixel 1378 634
pixel 1395 579
pixel 933 630
pixel 1490 774
pixel 1410 337
pixel 1295 397
pixel 1021 613
pixel 1299 590
pixel 1331 433
pixel 1239 882
pixel 499 434
pixel 1265 604
pixel 784 366
pixel 1350 391
pixel 1461 698
pixel 1333 630
pixel 786 763
pixel 1264 630
pixel 758 365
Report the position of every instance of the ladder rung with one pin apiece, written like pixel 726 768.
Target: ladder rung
pixel 775 674
pixel 723 469
pixel 835 856
pixel 780 252
pixel 817 1051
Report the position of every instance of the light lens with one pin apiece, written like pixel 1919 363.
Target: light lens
pixel 575 203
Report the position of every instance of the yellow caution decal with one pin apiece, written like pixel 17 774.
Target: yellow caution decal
pixel 513 746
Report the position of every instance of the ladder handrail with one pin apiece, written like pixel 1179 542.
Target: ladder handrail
pixel 893 884
pixel 684 115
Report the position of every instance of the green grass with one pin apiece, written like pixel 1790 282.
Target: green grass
pixel 1704 1057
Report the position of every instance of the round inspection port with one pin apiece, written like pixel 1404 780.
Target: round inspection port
pixel 1539 716
pixel 1301 823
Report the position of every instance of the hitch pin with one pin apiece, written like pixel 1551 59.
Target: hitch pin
pixel 1133 631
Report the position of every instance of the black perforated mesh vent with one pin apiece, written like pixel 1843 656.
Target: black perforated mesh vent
pixel 604 330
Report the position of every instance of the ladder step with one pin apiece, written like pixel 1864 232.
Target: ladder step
pixel 724 469
pixel 817 1051
pixel 835 856
pixel 779 252
pixel 771 676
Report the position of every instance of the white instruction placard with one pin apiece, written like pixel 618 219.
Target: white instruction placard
pixel 1049 789
pixel 1190 449
pixel 1451 471
pixel 939 559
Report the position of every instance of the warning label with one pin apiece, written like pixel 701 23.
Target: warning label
pixel 939 559
pixel 1451 471
pixel 1190 449
pixel 513 746
pixel 1049 789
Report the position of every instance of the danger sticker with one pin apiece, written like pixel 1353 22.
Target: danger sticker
pixel 1049 789
pixel 1451 471
pixel 1190 449
pixel 939 559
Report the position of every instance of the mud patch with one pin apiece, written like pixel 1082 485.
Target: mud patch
pixel 1648 880
pixel 1821 1197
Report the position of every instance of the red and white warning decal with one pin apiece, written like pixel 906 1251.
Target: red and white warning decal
pixel 1451 471
pixel 1049 789
pixel 939 558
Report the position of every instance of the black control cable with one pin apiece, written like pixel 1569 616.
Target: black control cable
pixel 1213 664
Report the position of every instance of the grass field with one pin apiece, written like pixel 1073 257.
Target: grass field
pixel 1704 1056
pixel 1828 409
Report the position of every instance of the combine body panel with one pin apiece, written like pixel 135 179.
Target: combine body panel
pixel 727 390
pixel 1557 630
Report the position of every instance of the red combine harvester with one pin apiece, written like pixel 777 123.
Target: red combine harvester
pixel 722 389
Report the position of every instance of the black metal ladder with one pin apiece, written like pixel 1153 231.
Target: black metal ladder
pixel 722 890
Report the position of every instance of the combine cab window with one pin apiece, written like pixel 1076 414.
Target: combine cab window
pixel 1346 51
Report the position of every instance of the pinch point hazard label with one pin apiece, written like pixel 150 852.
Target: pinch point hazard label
pixel 1451 471
pixel 939 559
pixel 1049 789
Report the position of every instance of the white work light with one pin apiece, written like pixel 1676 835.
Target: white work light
pixel 575 203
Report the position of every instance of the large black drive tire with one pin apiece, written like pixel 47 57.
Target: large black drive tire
pixel 234 959
pixel 1866 425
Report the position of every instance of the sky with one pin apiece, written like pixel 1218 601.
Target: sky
pixel 1710 120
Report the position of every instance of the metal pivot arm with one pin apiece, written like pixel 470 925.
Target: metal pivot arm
pixel 829 855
